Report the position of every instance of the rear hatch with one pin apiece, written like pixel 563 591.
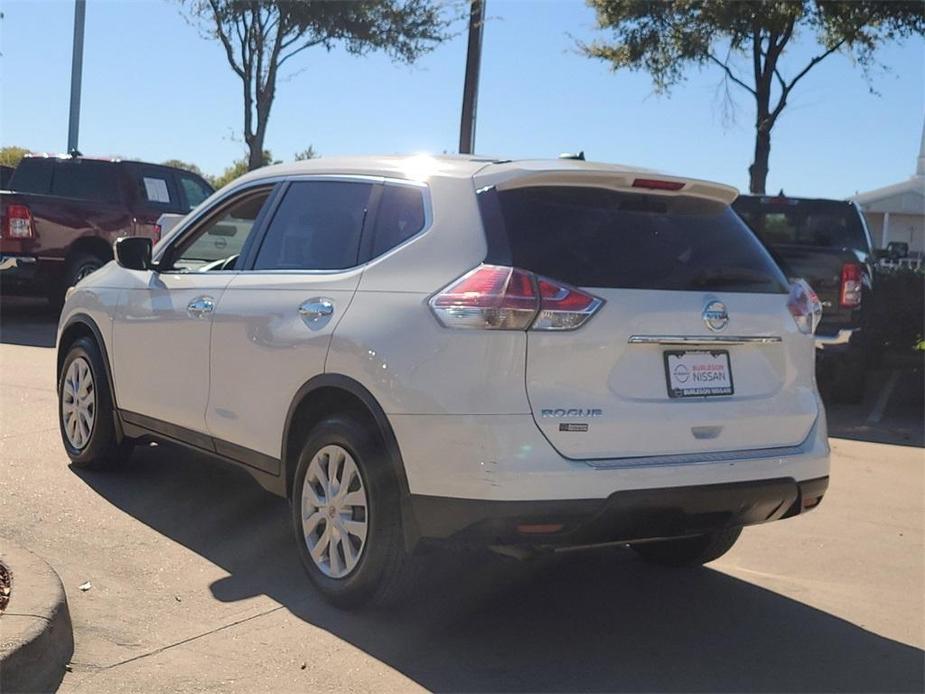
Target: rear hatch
pixel 693 348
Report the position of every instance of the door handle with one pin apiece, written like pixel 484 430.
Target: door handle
pixel 200 307
pixel 317 308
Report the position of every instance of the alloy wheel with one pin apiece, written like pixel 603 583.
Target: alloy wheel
pixel 78 403
pixel 335 515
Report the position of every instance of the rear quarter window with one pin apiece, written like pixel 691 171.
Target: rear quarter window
pixel 595 237
pixel 399 217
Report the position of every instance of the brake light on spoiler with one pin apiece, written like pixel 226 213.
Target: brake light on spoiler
pixel 497 297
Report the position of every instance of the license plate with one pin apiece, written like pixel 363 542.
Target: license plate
pixel 692 374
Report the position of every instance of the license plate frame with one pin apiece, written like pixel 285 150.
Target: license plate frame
pixel 700 392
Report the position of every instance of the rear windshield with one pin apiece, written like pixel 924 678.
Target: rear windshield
pixel 816 223
pixel 594 237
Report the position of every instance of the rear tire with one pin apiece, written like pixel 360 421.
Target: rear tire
pixel 347 517
pixel 689 551
pixel 85 411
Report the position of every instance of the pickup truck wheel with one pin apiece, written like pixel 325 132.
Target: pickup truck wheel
pixel 849 377
pixel 85 411
pixel 689 551
pixel 346 516
pixel 78 266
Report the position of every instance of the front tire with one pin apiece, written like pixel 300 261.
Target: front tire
pixel 85 411
pixel 346 516
pixel 689 551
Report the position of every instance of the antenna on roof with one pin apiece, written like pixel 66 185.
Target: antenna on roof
pixel 569 155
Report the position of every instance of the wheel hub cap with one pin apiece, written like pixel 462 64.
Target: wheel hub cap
pixel 335 517
pixel 78 403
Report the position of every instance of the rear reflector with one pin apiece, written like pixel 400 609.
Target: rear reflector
pixel 805 307
pixel 496 297
pixel 851 286
pixel 18 222
pixel 656 184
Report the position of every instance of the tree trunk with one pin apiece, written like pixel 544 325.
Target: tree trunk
pixel 758 171
pixel 255 154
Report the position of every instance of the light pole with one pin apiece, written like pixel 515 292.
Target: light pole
pixel 471 85
pixel 77 60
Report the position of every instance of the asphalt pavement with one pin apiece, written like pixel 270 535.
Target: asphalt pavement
pixel 194 583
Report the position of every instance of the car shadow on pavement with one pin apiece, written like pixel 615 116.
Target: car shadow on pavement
pixel 27 321
pixel 599 621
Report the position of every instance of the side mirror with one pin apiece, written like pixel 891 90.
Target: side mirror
pixel 133 252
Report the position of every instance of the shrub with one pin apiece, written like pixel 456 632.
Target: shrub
pixel 894 313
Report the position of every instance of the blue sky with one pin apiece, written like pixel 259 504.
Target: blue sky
pixel 154 89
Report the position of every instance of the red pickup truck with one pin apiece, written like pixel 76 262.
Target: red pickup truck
pixel 61 216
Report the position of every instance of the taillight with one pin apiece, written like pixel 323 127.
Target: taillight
pixel 805 307
pixel 496 297
pixel 18 222
pixel 157 233
pixel 851 286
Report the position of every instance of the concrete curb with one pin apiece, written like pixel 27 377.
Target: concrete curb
pixel 37 640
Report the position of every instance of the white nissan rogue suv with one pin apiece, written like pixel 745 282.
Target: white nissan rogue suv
pixel 524 355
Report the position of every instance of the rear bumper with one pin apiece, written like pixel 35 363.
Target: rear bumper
pixel 837 341
pixel 20 273
pixel 624 516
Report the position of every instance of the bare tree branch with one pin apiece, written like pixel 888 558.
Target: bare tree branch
pixel 729 73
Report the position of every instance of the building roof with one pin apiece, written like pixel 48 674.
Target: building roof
pixel 905 197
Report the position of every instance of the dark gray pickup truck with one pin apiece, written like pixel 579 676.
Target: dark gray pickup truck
pixel 827 243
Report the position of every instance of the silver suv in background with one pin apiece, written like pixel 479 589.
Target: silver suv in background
pixel 514 354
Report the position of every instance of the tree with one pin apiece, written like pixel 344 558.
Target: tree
pixel 663 38
pixel 11 156
pixel 307 153
pixel 186 166
pixel 239 167
pixel 261 36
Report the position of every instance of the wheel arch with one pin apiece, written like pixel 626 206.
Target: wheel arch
pixel 81 325
pixel 327 394
pixel 93 245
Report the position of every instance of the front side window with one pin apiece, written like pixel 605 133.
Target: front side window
pixel 316 227
pixel 194 189
pixel 218 243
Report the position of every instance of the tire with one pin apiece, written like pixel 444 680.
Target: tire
pixel 89 433
pixel 849 377
pixel 382 570
pixel 78 266
pixel 689 551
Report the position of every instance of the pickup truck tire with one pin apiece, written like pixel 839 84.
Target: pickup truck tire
pixel 849 377
pixel 97 445
pixel 78 266
pixel 689 551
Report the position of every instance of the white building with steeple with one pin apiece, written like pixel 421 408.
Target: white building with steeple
pixel 897 212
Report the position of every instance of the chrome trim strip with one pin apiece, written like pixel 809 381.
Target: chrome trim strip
pixel 702 339
pixel 706 457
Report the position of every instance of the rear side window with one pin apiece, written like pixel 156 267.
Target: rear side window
pixel 399 217
pixel 816 223
pixel 317 226
pixel 155 189
pixel 33 175
pixel 594 237
pixel 86 179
